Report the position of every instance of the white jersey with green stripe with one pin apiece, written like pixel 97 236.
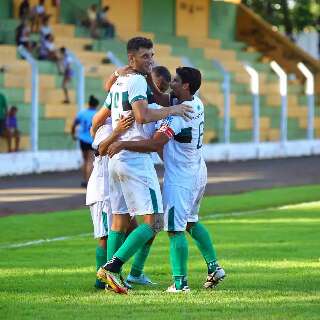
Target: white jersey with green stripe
pixel 182 155
pixel 125 91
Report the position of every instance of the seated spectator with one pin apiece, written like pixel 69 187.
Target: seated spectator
pixel 24 10
pixel 3 114
pixel 47 49
pixel 92 21
pixel 23 35
pixel 104 23
pixel 38 13
pixel 45 28
pixel 67 72
pixel 12 131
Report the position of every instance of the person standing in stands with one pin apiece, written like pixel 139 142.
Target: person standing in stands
pixel 83 122
pixel 66 63
pixel 24 10
pixel 12 131
pixel 3 114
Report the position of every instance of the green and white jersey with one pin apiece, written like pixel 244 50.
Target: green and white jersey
pixel 182 155
pixel 125 91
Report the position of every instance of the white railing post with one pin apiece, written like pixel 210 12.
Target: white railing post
pixel 80 72
pixel 34 123
pixel 283 89
pixel 254 87
pixel 226 93
pixel 310 96
pixel 114 59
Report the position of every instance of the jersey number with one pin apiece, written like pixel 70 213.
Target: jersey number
pixel 115 100
pixel 200 138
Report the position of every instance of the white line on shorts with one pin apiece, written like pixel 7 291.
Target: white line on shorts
pixel 40 241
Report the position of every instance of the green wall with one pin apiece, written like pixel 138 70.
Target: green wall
pixel 6 9
pixel 73 11
pixel 158 16
pixel 222 24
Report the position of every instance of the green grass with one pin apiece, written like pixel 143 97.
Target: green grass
pixel 272 259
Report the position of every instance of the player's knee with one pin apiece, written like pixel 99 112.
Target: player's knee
pixel 190 225
pixel 157 224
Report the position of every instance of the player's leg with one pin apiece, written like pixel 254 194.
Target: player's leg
pixel 17 140
pixel 100 226
pixel 202 238
pixel 175 222
pixel 146 201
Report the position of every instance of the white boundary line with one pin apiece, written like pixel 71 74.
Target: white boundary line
pixel 209 217
pixel 40 241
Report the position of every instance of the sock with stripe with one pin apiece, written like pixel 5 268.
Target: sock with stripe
pixel 139 260
pixel 202 238
pixel 179 258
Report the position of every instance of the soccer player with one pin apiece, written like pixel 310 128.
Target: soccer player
pixel 184 180
pixel 97 196
pixel 134 185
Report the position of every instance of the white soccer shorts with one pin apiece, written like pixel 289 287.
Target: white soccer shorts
pixel 134 186
pixel 101 218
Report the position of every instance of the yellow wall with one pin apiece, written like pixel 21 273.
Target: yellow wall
pixel 192 18
pixel 124 14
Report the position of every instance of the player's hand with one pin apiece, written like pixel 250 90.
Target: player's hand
pixel 124 124
pixel 183 111
pixel 114 148
pixel 125 70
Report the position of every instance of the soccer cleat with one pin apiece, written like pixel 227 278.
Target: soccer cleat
pixel 173 289
pixel 112 280
pixel 214 278
pixel 142 279
pixel 125 283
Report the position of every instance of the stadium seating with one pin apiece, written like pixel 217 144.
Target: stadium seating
pixel 171 51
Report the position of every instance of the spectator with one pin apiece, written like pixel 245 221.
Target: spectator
pixel 23 35
pixel 47 49
pixel 24 10
pixel 3 114
pixel 67 72
pixel 92 21
pixel 45 28
pixel 38 13
pixel 104 23
pixel 12 131
pixel 83 120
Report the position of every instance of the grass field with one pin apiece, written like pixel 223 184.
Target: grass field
pixel 272 258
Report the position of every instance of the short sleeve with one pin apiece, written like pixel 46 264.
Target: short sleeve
pixel 137 88
pixel 170 126
pixel 108 101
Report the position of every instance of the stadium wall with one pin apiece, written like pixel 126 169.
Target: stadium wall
pixel 49 161
pixel 6 9
pixel 158 16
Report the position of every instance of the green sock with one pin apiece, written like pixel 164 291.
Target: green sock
pixel 101 257
pixel 202 238
pixel 139 259
pixel 179 258
pixel 115 240
pixel 136 239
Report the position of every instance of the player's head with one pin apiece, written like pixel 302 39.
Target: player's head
pixel 93 102
pixel 186 80
pixel 140 54
pixel 63 50
pixel 161 77
pixel 13 111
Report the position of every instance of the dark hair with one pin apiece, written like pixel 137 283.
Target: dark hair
pixel 63 50
pixel 191 76
pixel 93 101
pixel 13 108
pixel 163 72
pixel 136 43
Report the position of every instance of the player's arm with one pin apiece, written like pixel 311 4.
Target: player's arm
pixel 150 145
pixel 161 98
pixel 123 125
pixel 99 119
pixel 113 77
pixel 137 91
pixel 73 128
pixel 143 114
